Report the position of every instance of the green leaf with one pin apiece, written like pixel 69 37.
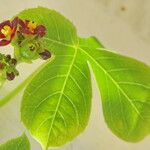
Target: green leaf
pixel 58 29
pixel 20 143
pixel 124 84
pixel 57 103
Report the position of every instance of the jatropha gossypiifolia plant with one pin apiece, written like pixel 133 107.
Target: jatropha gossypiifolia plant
pixel 56 102
pixel 26 36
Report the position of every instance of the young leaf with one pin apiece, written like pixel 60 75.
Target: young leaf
pixel 124 84
pixel 20 143
pixel 56 104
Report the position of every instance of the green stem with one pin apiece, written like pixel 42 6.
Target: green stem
pixel 20 87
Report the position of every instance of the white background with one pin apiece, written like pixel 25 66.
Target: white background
pixel 121 25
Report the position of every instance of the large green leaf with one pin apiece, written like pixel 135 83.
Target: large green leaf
pixel 56 104
pixel 124 84
pixel 20 143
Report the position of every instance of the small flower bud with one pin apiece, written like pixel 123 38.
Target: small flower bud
pixel 13 61
pixel 10 76
pixel 45 55
pixel 8 58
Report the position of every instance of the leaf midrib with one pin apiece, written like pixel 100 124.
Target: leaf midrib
pixel 64 85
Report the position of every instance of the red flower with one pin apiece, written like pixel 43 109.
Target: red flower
pixel 7 31
pixel 30 27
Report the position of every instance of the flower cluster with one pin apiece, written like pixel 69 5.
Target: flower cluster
pixel 25 36
pixel 8 29
pixel 8 67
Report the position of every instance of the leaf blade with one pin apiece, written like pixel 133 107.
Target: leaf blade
pixel 112 71
pixel 61 83
pixel 20 143
pixel 74 95
pixel 107 67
